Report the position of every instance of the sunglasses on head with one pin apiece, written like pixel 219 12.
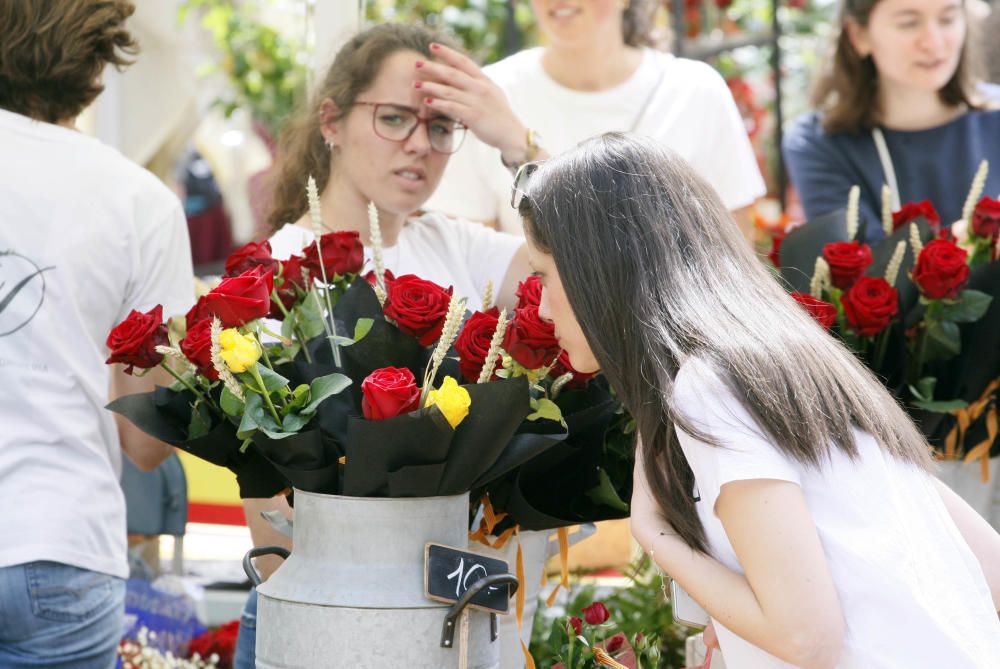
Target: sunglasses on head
pixel 518 190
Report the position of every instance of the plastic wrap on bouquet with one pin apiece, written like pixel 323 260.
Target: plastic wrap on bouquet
pixel 166 415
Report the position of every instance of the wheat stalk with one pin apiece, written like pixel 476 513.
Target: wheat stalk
pixel 488 295
pixel 220 365
pixel 886 210
pixel 449 331
pixel 915 242
pixel 560 383
pixel 892 269
pixel 375 238
pixel 852 211
pixel 978 183
pixel 820 278
pixel 494 353
pixel 312 194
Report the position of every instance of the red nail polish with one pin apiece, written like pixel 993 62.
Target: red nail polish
pixel 419 64
pixel 435 46
pixel 428 101
pixel 418 84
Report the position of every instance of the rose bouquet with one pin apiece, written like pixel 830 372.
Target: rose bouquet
pixel 917 307
pixel 302 374
pixel 586 473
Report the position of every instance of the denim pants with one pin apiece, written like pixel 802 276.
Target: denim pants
pixel 245 656
pixel 56 616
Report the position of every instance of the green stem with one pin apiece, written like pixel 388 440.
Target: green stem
pixel 331 328
pixel 883 343
pixel 295 326
pixel 263 350
pixel 267 396
pixel 208 400
pixel 302 341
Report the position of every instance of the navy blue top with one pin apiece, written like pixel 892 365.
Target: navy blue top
pixel 937 164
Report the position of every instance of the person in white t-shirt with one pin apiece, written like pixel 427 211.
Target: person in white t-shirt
pixel 596 73
pixel 86 236
pixel 777 480
pixel 367 137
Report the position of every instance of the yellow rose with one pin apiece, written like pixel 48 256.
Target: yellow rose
pixel 240 351
pixel 452 399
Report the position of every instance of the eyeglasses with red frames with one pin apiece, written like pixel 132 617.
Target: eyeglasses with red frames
pixel 397 123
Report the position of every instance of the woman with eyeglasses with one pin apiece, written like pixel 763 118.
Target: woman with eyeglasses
pixel 597 72
pixel 898 105
pixel 367 136
pixel 776 480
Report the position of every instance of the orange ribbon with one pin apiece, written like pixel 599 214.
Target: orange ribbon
pixel 563 534
pixel 605 660
pixel 966 417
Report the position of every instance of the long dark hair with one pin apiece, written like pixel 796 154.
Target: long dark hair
pixel 301 149
pixel 657 272
pixel 847 91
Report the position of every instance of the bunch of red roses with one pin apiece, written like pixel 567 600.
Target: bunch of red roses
pixel 591 642
pixel 924 289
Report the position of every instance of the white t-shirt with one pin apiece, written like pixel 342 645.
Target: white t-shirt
pixel 911 590
pixel 446 251
pixel 690 110
pixel 85 237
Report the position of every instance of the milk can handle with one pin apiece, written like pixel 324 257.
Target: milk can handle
pixel 448 631
pixel 248 567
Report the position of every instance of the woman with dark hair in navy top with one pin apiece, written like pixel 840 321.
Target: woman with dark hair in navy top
pixel 899 107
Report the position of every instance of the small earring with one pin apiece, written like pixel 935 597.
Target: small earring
pixel 329 146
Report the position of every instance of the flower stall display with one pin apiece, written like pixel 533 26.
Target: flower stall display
pixel 918 307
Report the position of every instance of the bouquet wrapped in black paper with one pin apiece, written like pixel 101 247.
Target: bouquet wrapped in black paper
pixel 918 307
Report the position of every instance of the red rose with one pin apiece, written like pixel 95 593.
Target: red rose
pixel 986 218
pixel 288 285
pixel 615 643
pixel 596 614
pixel 388 277
pixel 221 641
pixel 530 340
pixel 870 305
pixel 342 254
pixel 775 254
pixel 911 211
pixel 473 343
pixel 254 254
pixel 389 392
pixel 824 312
pixel 941 271
pixel 419 307
pixel 239 300
pixel 134 340
pixel 847 261
pixel 197 347
pixel 577 624
pixel 529 292
pixel 563 366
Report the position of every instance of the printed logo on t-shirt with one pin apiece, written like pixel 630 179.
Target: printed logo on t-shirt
pixel 22 291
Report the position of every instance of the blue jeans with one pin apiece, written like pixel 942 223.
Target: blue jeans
pixel 56 616
pixel 245 656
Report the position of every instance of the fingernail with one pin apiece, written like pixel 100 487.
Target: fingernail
pixel 435 46
pixel 428 101
pixel 418 84
pixel 420 64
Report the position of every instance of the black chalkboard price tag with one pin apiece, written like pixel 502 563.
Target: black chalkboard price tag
pixel 449 572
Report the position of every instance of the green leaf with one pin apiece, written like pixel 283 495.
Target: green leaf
pixel 604 493
pixel 546 409
pixel 924 390
pixel 272 380
pixel 201 421
pixel 944 406
pixel 362 328
pixel 230 403
pixel 254 416
pixel 300 397
pixel 323 387
pixel 970 306
pixel 946 335
pixel 294 422
pixel 341 341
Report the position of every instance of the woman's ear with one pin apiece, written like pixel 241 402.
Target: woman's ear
pixel 858 36
pixel 330 119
